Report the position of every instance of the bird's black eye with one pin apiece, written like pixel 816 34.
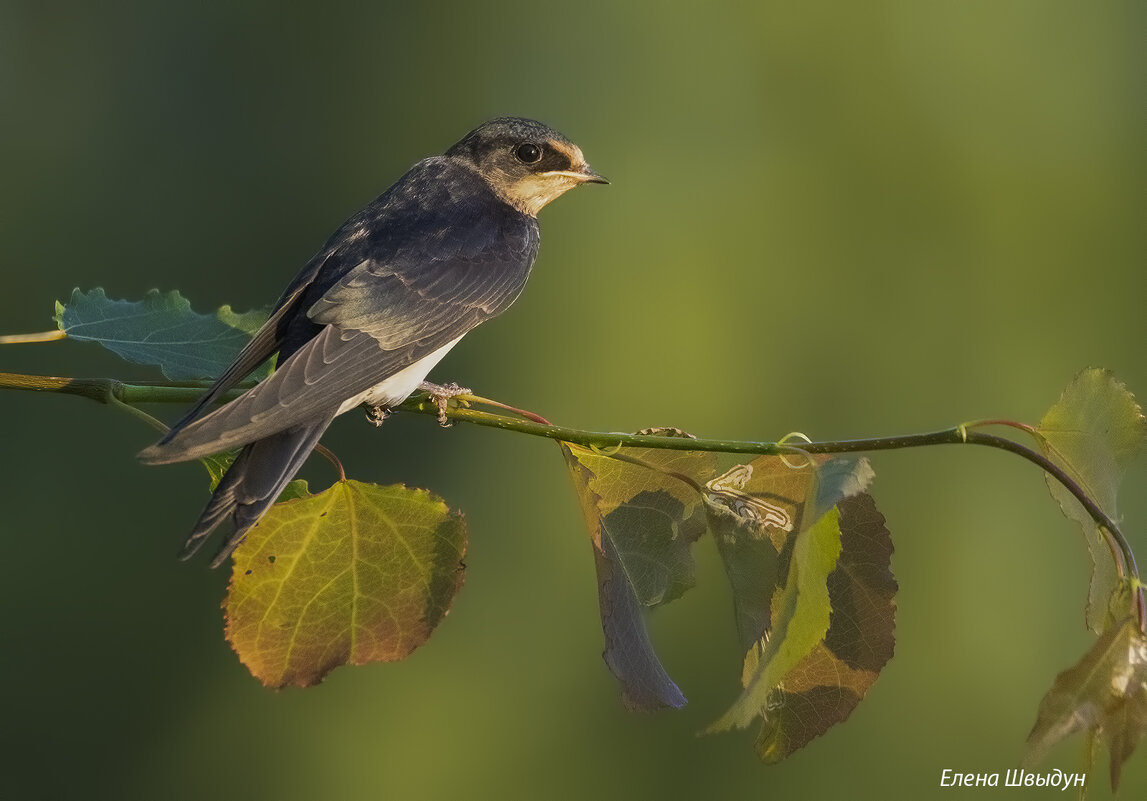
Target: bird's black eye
pixel 528 153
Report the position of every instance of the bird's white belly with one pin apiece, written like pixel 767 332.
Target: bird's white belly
pixel 398 387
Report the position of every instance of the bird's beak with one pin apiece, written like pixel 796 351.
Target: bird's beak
pixel 591 177
pixel 583 174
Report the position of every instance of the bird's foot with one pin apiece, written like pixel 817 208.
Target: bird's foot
pixel 376 414
pixel 441 395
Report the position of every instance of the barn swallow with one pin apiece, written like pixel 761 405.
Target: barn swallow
pixel 447 247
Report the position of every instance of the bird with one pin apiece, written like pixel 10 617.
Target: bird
pixel 447 247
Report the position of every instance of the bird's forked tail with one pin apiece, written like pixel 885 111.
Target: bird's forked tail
pixel 252 485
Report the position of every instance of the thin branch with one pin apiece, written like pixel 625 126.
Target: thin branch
pixel 135 411
pixel 106 390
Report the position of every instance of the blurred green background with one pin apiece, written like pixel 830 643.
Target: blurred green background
pixel 844 219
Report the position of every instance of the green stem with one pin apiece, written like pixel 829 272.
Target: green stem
pixel 136 412
pixel 1117 543
pixel 106 390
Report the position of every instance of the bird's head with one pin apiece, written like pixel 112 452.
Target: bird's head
pixel 526 163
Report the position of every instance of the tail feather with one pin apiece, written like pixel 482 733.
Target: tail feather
pixel 252 485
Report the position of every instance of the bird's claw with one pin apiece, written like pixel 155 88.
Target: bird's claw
pixel 376 414
pixel 441 395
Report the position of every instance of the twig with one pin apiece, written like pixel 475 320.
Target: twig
pixel 107 390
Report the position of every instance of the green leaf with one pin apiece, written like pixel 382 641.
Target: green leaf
pixel 296 488
pixel 652 536
pixel 754 511
pixel 1105 694
pixel 643 510
pixel 814 604
pixel 647 503
pixel 217 464
pixel 248 322
pixel 800 620
pixel 827 684
pixel 358 573
pixel 838 478
pixel 1093 432
pixel 160 330
pixel 629 654
pixel 753 567
pixel 645 507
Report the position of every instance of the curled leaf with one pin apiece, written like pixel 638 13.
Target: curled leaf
pixel 643 512
pixel 755 509
pixel 629 653
pixel 1104 694
pixel 824 687
pixel 799 622
pixel 814 603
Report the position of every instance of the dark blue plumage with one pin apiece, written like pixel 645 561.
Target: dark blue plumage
pixel 449 246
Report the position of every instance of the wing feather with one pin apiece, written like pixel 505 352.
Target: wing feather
pixel 430 259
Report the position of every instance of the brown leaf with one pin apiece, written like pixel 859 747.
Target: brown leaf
pixel 1105 694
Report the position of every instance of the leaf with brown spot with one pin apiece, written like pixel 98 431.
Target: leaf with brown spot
pixel 824 687
pixel 809 561
pixel 755 511
pixel 358 573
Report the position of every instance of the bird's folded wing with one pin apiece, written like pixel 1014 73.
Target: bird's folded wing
pixel 407 294
pixel 263 345
pixel 419 291
pixel 370 334
pixel 332 367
